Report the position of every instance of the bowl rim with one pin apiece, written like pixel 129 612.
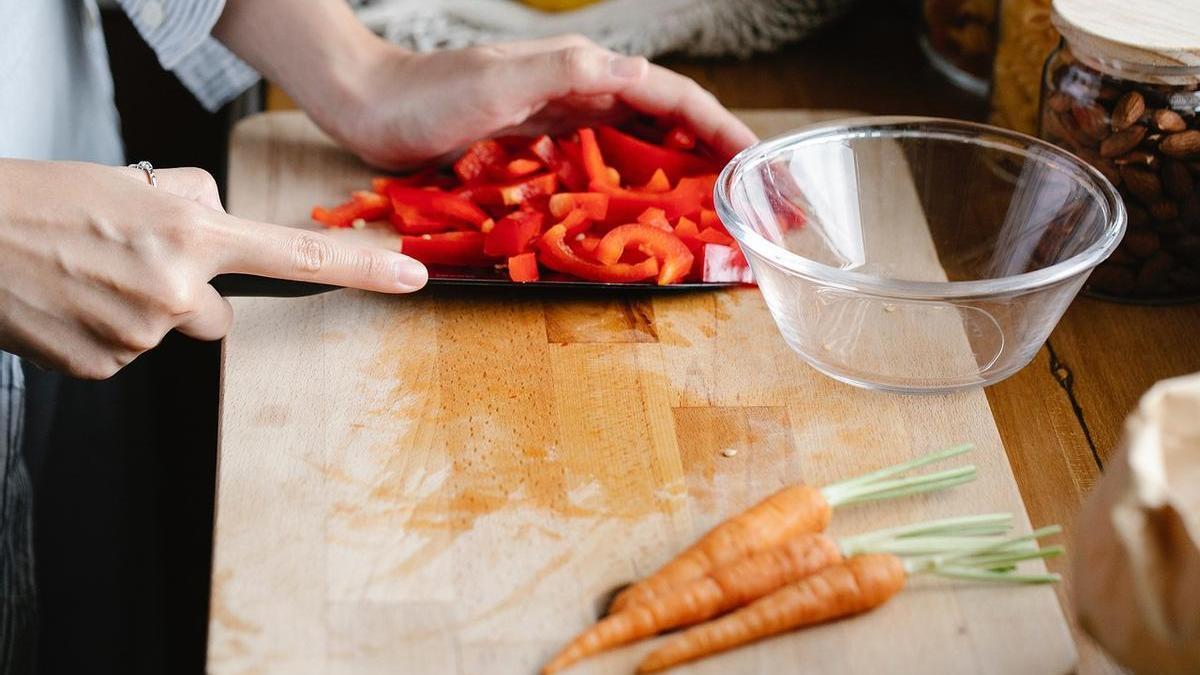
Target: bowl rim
pixel 904 126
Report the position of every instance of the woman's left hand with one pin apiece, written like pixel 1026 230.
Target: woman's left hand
pixel 414 107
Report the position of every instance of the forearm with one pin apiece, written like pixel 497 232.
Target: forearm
pixel 319 54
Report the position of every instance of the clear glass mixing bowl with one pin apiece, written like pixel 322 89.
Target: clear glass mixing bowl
pixel 917 254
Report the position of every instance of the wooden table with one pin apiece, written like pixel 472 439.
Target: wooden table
pixel 1060 418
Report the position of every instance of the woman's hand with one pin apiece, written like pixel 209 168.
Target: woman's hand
pixel 417 106
pixel 97 265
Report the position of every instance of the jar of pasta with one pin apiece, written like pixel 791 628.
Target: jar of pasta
pixel 1025 37
pixel 960 40
pixel 1122 91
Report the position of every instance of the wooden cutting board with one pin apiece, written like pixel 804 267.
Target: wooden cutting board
pixel 455 481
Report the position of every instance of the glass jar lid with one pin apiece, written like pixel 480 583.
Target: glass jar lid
pixel 1147 40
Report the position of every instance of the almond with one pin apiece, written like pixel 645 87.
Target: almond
pixel 1138 217
pixel 1122 141
pixel 1181 144
pixel 1137 157
pixel 1168 121
pixel 1152 278
pixel 1177 180
pixel 1091 120
pixel 1164 210
pixel 1060 102
pixel 1129 109
pixel 1142 183
pixel 1141 243
pixel 1112 278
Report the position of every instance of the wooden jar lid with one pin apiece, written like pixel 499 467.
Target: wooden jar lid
pixel 1145 35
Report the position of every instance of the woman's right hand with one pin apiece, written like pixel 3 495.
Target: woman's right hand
pixel 96 266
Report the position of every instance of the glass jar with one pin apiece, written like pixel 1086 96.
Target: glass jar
pixel 1025 37
pixel 960 40
pixel 1139 124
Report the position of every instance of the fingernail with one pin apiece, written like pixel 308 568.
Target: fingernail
pixel 411 273
pixel 626 67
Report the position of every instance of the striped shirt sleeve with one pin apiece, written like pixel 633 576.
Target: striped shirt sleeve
pixel 180 32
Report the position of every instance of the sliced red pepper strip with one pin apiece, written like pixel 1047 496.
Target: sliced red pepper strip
pixel 710 235
pixel 637 160
pixel 594 204
pixel 461 249
pixel 576 221
pixel 626 205
pixel 363 205
pixel 478 159
pixel 512 234
pixel 679 138
pixel 409 220
pixel 435 202
pixel 523 268
pixel 675 259
pixel 512 194
pixel 561 161
pixel 593 161
pixel 655 217
pixel 658 182
pixel 558 256
pixel 424 177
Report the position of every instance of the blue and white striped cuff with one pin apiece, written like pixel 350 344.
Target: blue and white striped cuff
pixel 180 33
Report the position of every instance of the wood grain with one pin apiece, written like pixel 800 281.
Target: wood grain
pixel 456 481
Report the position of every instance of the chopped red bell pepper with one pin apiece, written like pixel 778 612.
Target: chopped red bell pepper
pixel 512 194
pixel 637 160
pixel 558 256
pixel 567 166
pixel 658 182
pixel 363 205
pixel 461 249
pixel 655 217
pixel 522 167
pixel 409 220
pixel 679 138
pixel 675 259
pixel 594 204
pixel 512 234
pixel 708 218
pixel 576 221
pixel 710 235
pixel 523 268
pixel 686 228
pixel 626 205
pixel 435 202
pixel 593 162
pixel 723 264
pixel 702 185
pixel 480 157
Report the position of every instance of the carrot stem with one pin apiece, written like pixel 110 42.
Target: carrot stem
pixel 900 487
pixel 946 528
pixel 905 467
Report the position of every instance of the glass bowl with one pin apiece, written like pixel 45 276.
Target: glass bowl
pixel 917 254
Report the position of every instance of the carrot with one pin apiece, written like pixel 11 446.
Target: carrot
pixel 727 587
pixel 852 587
pixel 781 516
pixel 761 573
